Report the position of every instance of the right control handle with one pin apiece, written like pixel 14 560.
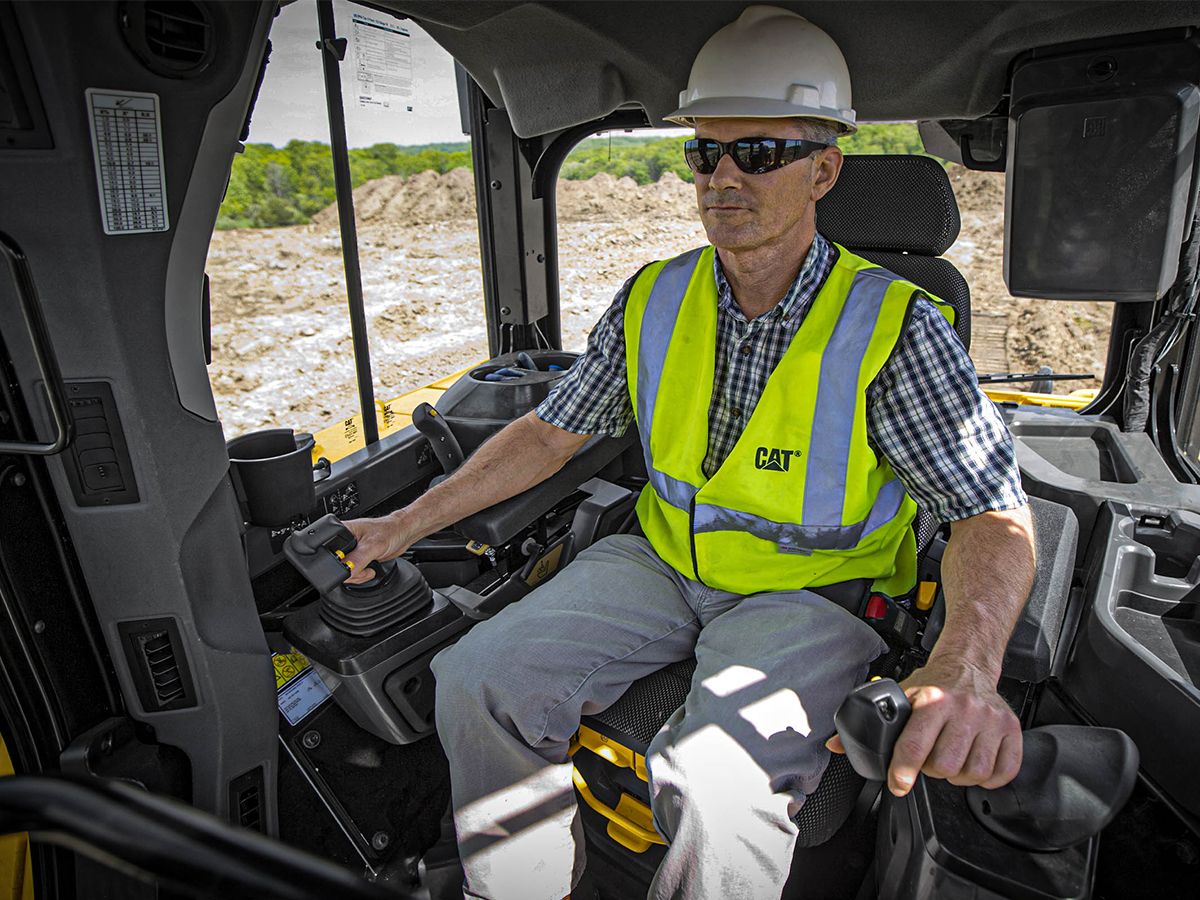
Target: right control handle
pixel 1073 781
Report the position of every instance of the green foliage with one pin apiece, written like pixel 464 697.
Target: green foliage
pixel 646 159
pixel 270 186
pixel 286 186
pixel 884 137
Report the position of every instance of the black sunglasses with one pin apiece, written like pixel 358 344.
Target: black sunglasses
pixel 753 155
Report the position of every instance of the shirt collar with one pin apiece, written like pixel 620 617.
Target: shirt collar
pixel 803 289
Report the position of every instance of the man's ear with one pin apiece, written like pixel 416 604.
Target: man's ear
pixel 826 168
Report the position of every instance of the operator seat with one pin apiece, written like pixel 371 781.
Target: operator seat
pixel 899 212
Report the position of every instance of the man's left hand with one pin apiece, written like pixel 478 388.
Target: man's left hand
pixel 960 730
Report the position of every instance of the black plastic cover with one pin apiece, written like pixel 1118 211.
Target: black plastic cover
pixel 1102 146
pixel 1035 638
pixel 1073 782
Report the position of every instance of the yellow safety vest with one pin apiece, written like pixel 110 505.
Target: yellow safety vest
pixel 802 500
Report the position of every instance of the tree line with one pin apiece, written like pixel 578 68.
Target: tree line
pixel 272 186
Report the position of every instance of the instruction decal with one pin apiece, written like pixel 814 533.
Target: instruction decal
pixel 127 150
pixel 299 688
pixel 383 67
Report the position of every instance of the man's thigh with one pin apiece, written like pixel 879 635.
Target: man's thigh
pixel 571 647
pixel 771 671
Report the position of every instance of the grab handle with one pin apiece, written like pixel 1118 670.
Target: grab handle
pixel 43 353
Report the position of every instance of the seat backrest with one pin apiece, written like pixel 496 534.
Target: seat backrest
pixel 900 212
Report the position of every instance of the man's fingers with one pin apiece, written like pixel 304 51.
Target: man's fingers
pixel 949 751
pixel 980 761
pixel 359 574
pixel 1008 761
pixel 916 740
pixel 835 744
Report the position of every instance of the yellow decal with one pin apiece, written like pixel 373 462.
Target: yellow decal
pixel 288 666
pixel 546 566
pixel 340 440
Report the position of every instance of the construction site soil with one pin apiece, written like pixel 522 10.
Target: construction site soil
pixel 282 354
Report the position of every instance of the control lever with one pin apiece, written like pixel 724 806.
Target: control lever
pixel 1073 781
pixel 441 438
pixel 397 591
pixel 869 722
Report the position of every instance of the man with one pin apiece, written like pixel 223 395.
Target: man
pixel 778 340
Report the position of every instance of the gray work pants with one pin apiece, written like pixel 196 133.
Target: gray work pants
pixel 727 771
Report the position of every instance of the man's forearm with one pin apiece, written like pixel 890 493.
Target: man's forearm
pixel 987 572
pixel 512 461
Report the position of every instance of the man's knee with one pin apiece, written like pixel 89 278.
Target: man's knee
pixel 485 677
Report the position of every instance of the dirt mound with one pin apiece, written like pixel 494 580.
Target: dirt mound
pixel 978 193
pixel 429 197
pixel 417 200
pixel 604 198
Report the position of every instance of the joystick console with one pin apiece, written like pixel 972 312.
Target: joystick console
pixel 396 593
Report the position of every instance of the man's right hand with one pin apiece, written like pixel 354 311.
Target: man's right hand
pixel 378 539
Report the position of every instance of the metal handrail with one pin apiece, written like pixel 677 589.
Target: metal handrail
pixel 43 353
pixel 176 845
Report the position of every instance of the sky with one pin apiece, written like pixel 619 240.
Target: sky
pixel 398 84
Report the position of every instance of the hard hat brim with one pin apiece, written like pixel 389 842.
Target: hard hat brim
pixel 758 108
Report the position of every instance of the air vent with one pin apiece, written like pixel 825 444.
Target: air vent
pixel 178 31
pixel 157 664
pixel 246 800
pixel 160 662
pixel 172 37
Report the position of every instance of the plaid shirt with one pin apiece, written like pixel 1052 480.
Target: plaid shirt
pixel 925 412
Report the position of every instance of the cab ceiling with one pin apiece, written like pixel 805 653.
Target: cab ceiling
pixel 557 64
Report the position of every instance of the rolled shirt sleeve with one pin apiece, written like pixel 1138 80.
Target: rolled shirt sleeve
pixel 593 397
pixel 942 435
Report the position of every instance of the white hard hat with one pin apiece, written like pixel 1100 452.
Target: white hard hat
pixel 770 63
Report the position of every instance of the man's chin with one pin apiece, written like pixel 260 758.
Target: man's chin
pixel 731 239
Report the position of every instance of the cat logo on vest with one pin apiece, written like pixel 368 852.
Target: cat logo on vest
pixel 774 460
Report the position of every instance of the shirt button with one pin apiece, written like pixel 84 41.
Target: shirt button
pixel 737 413
pixel 745 348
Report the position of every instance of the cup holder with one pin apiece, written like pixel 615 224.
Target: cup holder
pixel 550 366
pixel 506 388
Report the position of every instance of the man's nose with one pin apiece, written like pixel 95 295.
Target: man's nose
pixel 726 175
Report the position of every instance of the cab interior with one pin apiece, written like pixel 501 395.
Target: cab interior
pixel 156 636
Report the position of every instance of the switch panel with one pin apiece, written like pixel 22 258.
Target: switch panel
pixel 97 461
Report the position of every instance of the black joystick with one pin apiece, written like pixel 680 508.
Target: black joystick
pixel 397 592
pixel 441 438
pixel 1073 781
pixel 869 721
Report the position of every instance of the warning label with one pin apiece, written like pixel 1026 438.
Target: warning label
pixel 299 688
pixel 288 666
pixel 383 64
pixel 127 151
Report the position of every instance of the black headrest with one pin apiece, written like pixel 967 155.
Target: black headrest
pixel 896 203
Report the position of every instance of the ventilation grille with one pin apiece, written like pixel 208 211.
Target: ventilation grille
pixel 246 800
pixel 157 664
pixel 175 38
pixel 178 32
pixel 160 662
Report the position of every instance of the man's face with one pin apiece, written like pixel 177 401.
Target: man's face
pixel 742 212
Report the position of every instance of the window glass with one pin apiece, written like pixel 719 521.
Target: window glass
pixel 626 199
pixel 623 199
pixel 282 351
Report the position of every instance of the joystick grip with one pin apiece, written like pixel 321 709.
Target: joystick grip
pixel 445 445
pixel 317 552
pixel 869 722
